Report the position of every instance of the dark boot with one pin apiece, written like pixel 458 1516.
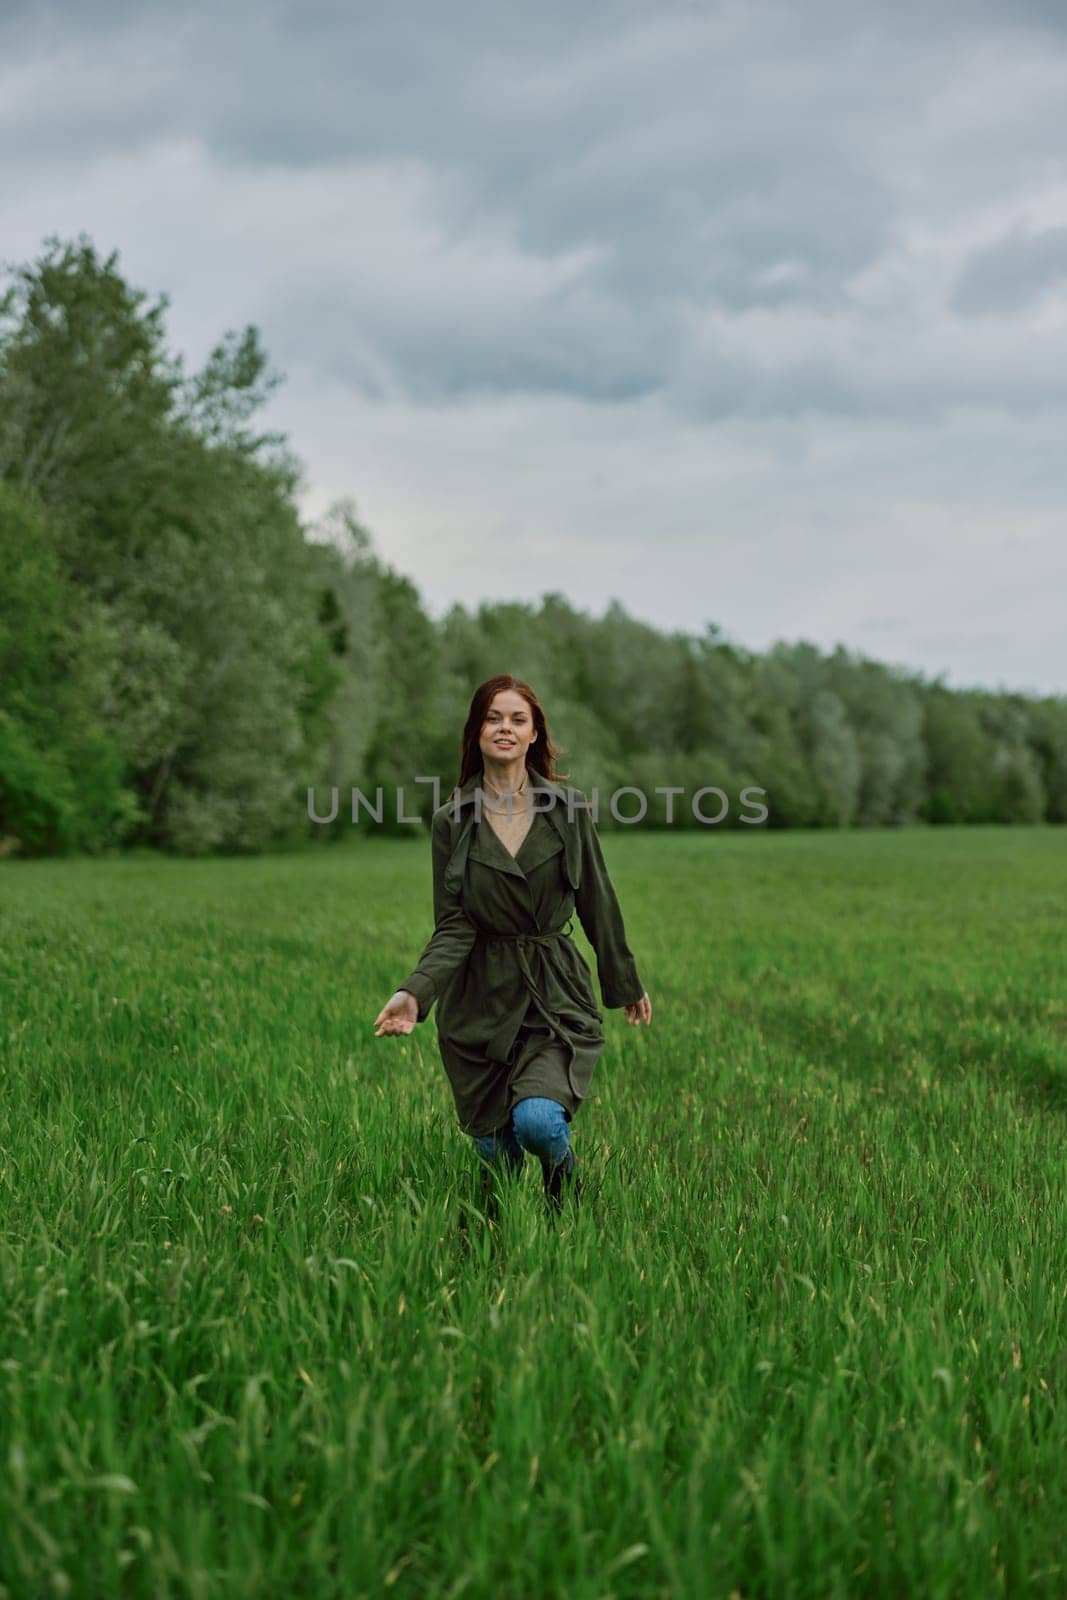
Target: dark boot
pixel 558 1180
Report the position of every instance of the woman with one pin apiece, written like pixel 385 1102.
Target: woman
pixel 515 853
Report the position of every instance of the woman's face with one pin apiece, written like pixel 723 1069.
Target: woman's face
pixel 508 730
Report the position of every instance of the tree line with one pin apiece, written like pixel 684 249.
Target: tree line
pixel 182 659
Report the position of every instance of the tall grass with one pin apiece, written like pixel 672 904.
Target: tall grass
pixel 806 1336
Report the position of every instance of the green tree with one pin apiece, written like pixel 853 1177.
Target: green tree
pixel 61 773
pixel 178 525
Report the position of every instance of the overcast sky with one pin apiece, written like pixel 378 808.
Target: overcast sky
pixel 750 314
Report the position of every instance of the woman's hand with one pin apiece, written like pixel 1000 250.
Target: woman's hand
pixel 398 1015
pixel 641 1012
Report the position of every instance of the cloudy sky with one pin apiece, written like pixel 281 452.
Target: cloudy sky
pixel 753 314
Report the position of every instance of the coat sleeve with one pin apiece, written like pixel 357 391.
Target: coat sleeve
pixel 598 911
pixel 454 933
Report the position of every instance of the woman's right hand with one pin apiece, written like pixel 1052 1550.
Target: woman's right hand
pixel 398 1015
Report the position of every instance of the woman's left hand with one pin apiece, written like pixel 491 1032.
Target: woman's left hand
pixel 641 1012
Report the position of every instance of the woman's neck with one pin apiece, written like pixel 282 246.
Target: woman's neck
pixel 514 785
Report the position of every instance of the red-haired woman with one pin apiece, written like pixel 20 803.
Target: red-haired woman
pixel 515 853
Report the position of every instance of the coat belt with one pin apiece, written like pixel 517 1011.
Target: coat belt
pixel 536 938
pixel 521 941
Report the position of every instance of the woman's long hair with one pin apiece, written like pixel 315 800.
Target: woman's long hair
pixel 542 754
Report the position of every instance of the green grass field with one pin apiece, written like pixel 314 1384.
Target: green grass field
pixel 807 1335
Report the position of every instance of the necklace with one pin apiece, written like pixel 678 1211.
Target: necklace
pixel 510 822
pixel 498 793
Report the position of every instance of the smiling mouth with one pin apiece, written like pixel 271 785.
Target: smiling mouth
pixel 506 744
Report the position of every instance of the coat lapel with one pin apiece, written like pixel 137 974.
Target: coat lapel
pixel 486 847
pixel 540 843
pixel 461 808
pixel 567 830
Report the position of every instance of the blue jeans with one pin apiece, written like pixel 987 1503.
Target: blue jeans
pixel 538 1125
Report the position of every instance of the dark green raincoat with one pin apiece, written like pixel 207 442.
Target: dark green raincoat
pixel 502 959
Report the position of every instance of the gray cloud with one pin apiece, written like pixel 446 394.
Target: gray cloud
pixel 699 159
pixel 1012 273
pixel 718 232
